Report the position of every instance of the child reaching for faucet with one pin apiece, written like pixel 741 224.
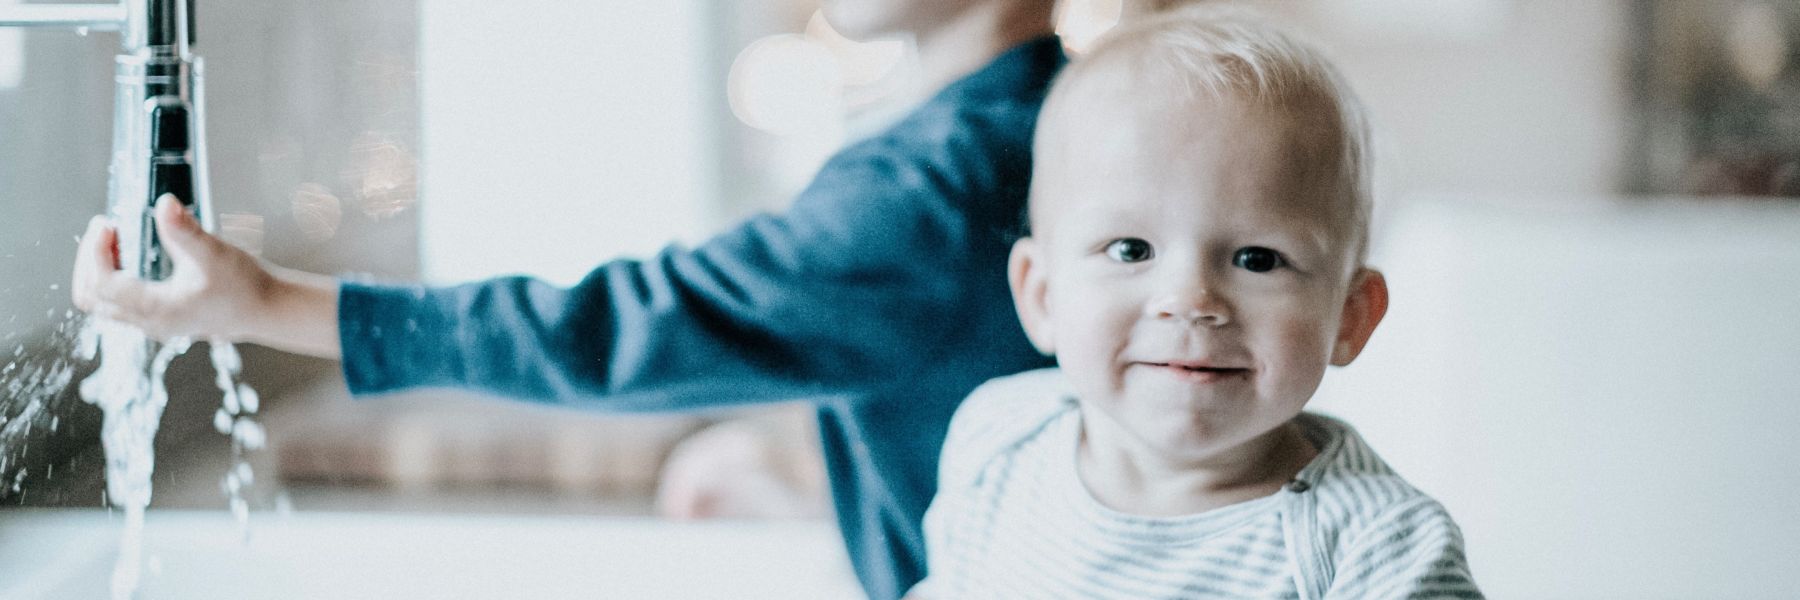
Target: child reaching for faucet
pixel 866 298
pixel 1198 225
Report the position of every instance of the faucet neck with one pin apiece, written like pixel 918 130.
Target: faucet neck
pixel 158 27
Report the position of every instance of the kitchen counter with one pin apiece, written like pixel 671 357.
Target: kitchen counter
pixel 196 555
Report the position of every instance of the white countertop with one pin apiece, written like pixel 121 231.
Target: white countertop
pixel 69 555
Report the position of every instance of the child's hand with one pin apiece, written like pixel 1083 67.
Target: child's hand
pixel 215 289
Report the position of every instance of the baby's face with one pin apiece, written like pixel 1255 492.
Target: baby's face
pixel 1192 274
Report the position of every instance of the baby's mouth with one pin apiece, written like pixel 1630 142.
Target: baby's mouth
pixel 1198 372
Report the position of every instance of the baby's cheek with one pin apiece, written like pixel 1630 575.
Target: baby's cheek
pixel 1303 350
pixel 1086 341
pixel 1089 336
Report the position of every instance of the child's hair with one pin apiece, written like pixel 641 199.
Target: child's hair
pixel 1210 51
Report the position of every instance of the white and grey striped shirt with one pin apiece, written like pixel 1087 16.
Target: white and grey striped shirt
pixel 1012 520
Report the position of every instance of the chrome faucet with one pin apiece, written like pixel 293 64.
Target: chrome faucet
pixel 159 137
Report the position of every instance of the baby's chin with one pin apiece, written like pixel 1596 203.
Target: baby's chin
pixel 1209 438
pixel 1207 408
pixel 1178 442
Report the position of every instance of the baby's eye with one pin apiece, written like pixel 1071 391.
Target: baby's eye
pixel 1129 250
pixel 1257 259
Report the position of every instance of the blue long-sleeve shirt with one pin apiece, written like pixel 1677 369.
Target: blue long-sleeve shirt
pixel 880 294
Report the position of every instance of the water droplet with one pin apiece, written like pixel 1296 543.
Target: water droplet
pixel 248 434
pixel 229 401
pixel 240 509
pixel 248 399
pixel 222 421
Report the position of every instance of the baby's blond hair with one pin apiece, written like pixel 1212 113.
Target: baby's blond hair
pixel 1218 51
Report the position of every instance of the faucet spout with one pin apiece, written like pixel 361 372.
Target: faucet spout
pixel 163 26
pixel 158 121
pixel 158 141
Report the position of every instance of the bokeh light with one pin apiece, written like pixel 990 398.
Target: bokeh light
pixel 317 212
pixel 1757 43
pixel 786 85
pixel 1081 22
pixel 244 230
pixel 12 57
pixel 383 174
pixel 860 63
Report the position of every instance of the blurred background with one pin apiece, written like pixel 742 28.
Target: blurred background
pixel 1586 211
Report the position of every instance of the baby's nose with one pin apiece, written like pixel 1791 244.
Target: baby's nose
pixel 1195 306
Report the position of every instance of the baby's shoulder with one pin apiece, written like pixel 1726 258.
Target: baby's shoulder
pixel 999 416
pixel 1360 499
pixel 1393 535
pixel 1037 391
pixel 1383 507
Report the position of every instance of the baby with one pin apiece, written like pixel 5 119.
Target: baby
pixel 1198 226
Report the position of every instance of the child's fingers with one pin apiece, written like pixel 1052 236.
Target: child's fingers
pixel 100 287
pixel 125 298
pixel 97 256
pixel 179 233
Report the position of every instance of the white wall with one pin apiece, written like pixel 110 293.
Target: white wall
pixel 1601 391
pixel 1599 388
pixel 556 133
pixel 1520 96
pixel 55 127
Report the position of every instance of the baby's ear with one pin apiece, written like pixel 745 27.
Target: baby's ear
pixel 1028 275
pixel 1364 307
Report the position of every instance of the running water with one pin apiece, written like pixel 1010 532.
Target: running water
pixel 235 418
pixel 129 390
pixel 29 387
pixel 128 387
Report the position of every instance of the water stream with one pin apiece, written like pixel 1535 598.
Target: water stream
pixel 129 389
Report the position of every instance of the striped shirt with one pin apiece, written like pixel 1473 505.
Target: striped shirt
pixel 1013 520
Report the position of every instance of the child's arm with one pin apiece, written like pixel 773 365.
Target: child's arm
pixel 1413 552
pixel 888 269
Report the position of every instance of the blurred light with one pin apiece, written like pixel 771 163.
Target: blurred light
pixel 786 84
pixel 860 63
pixel 242 230
pixel 12 56
pixel 1395 21
pixel 1757 43
pixel 316 211
pixel 384 175
pixel 1081 22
